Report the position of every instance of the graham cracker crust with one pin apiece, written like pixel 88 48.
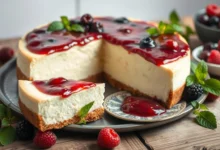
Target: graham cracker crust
pixel 98 78
pixel 39 123
pixel 174 96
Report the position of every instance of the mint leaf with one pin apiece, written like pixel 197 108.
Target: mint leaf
pixel 191 79
pixel 189 31
pixel 77 28
pixel 162 26
pixel 8 113
pixel 193 67
pixel 212 86
pixel 195 104
pixel 203 107
pixel 66 22
pixel 55 26
pixel 207 119
pixel 201 72
pixel 2 111
pixel 84 110
pixel 7 135
pixel 152 31
pixel 5 122
pixel 174 17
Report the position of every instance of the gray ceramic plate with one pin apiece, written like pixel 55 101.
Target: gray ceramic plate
pixel 9 96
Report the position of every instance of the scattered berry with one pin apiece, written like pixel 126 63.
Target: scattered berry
pixel 214 57
pixel 24 130
pixel 213 10
pixel 45 139
pixel 194 91
pixel 86 19
pixel 171 44
pixel 212 97
pixel 97 27
pixel 6 54
pixel 147 43
pixel 108 138
pixel 122 20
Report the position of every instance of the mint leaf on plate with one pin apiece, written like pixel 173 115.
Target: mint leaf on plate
pixel 2 111
pixel 195 104
pixel 207 119
pixel 191 79
pixel 212 86
pixel 201 72
pixel 7 135
pixel 84 111
pixel 174 18
pixel 55 26
pixel 77 28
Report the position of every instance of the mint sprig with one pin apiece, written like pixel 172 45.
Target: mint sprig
pixel 174 26
pixel 7 131
pixel 84 111
pixel 65 24
pixel 204 117
pixel 200 77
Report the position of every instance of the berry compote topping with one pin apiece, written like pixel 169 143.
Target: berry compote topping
pixel 61 86
pixel 131 35
pixel 143 107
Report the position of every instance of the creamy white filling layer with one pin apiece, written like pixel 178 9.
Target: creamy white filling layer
pixel 133 70
pixel 54 109
pixel 79 62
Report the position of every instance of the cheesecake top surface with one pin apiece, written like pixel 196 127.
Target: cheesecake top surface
pixel 131 35
pixel 61 86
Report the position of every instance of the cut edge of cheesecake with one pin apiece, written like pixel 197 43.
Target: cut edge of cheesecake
pixel 53 112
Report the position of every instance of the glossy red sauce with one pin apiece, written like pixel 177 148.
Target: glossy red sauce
pixel 128 35
pixel 61 86
pixel 143 107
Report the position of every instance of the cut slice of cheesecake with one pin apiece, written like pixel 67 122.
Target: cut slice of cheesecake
pixel 49 109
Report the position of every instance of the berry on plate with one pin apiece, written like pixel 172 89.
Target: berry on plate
pixel 24 130
pixel 194 91
pixel 108 138
pixel 213 10
pixel 6 54
pixel 45 139
pixel 214 57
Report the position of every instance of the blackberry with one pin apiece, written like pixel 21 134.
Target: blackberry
pixel 194 91
pixel 24 130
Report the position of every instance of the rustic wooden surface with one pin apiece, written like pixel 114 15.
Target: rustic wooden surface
pixel 183 134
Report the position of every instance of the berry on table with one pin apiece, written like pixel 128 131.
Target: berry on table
pixel 214 57
pixel 24 130
pixel 45 139
pixel 213 10
pixel 108 138
pixel 194 91
pixel 6 54
pixel 147 43
pixel 86 19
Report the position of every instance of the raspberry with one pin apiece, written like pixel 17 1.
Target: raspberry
pixel 194 91
pixel 213 10
pixel 6 54
pixel 108 138
pixel 45 139
pixel 214 57
pixel 212 97
pixel 24 130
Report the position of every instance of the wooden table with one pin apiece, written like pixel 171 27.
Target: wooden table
pixel 183 134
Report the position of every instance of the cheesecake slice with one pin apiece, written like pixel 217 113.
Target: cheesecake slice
pixel 56 103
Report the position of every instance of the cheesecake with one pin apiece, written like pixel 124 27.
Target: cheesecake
pixel 118 49
pixel 55 103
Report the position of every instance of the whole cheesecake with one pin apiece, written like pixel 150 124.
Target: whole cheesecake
pixel 118 48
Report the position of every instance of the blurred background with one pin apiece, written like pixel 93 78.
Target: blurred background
pixel 21 16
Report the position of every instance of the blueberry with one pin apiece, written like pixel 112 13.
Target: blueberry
pixel 122 20
pixel 209 46
pixel 204 19
pixel 147 43
pixel 97 27
pixel 214 21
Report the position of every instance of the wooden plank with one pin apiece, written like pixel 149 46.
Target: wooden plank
pixel 81 141
pixel 185 134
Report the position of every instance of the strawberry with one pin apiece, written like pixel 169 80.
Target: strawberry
pixel 108 138
pixel 213 10
pixel 45 139
pixel 212 97
pixel 214 57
